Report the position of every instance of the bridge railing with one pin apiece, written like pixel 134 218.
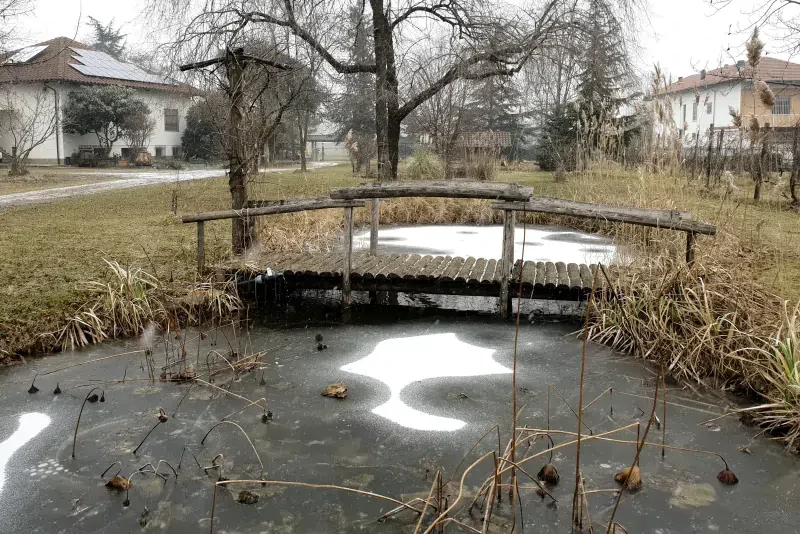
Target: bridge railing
pixel 664 219
pixel 279 207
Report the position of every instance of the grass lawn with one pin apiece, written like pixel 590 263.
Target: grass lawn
pixel 50 250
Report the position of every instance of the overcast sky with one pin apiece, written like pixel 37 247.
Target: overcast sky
pixel 682 35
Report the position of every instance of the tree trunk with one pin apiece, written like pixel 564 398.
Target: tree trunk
pixel 795 177
pixel 237 178
pixel 303 131
pixel 382 36
pixel 708 156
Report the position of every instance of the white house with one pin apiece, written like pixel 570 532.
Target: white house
pixel 38 79
pixel 704 99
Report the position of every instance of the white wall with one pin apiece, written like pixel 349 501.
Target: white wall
pixel 720 96
pixel 156 100
pixel 24 97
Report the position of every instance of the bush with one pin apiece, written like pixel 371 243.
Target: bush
pixel 425 165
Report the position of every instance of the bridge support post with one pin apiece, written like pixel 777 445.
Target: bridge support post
pixel 375 206
pixel 201 247
pixel 689 248
pixel 507 263
pixel 348 254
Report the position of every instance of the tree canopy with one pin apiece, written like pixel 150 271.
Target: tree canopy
pixel 108 112
pixel 107 38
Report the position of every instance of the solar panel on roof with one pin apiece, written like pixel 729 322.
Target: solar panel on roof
pixel 101 65
pixel 26 54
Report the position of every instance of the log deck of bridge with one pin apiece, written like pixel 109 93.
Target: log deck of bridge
pixel 411 273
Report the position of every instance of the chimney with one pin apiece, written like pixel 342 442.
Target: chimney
pixel 703 74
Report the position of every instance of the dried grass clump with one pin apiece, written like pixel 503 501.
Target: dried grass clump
pixel 764 93
pixel 425 165
pixel 710 324
pixel 130 299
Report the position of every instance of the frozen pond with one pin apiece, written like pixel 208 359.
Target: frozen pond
pixel 420 393
pixel 542 243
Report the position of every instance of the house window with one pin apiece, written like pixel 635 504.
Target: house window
pixel 709 108
pixel 694 111
pixel 684 115
pixel 125 152
pixel 159 151
pixel 171 120
pixel 177 152
pixel 782 106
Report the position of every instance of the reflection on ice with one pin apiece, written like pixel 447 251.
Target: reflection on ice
pixel 542 243
pixel 402 361
pixel 30 424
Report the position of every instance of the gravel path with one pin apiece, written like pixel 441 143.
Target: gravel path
pixel 121 180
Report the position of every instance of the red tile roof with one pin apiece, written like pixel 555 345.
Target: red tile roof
pixel 54 65
pixel 485 139
pixel 770 70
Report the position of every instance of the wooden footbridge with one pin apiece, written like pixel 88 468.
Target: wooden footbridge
pixel 413 273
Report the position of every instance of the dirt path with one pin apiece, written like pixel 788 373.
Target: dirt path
pixel 122 180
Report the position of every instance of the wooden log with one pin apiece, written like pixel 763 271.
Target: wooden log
pixel 408 266
pixel 689 248
pixel 449 274
pixel 375 215
pixel 402 267
pixel 427 273
pixel 666 219
pixel 364 267
pixel 393 262
pixel 288 207
pixel 575 283
pixel 562 283
pixel 507 261
pixel 586 276
pixel 376 268
pixel 550 276
pixel 451 189
pixel 529 275
pixel 489 275
pixel 201 247
pixel 437 273
pixel 541 273
pixel 348 252
pixel 463 272
pixel 318 264
pixel 418 267
pixel 476 273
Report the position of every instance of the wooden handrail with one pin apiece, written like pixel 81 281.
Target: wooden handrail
pixel 286 207
pixel 665 219
pixel 452 189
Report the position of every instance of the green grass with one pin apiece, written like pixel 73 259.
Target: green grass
pixel 51 250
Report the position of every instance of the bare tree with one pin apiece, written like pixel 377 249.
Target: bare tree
pixel 30 120
pixel 779 19
pixel 485 39
pixel 10 12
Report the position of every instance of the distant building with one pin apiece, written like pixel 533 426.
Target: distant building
pixel 704 99
pixel 323 144
pixel 62 65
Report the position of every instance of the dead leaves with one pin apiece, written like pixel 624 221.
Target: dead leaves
pixel 336 391
pixel 119 483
